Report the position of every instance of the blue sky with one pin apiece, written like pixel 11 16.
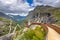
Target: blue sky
pixel 22 7
pixel 30 2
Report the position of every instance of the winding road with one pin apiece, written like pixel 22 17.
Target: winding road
pixel 53 32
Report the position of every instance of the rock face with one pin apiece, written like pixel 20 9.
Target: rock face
pixel 41 14
pixel 41 18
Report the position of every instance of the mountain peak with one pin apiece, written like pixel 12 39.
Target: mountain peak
pixel 4 15
pixel 43 6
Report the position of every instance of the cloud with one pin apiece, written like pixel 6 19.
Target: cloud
pixel 15 6
pixel 8 1
pixel 54 3
pixel 57 3
pixel 37 2
pixel 20 14
pixel 22 7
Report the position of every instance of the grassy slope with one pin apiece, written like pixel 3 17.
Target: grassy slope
pixel 30 34
pixel 4 28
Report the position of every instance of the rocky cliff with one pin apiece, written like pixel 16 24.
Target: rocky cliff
pixel 44 14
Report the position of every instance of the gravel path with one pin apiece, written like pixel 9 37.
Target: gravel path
pixel 52 34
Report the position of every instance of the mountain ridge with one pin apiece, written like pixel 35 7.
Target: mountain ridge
pixel 15 18
pixel 44 11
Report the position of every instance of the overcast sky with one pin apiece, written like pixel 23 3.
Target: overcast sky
pixel 22 7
